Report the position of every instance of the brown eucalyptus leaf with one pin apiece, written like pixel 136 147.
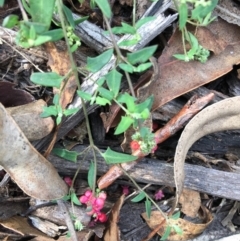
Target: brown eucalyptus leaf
pixel 221 116
pixel 178 77
pixel 190 230
pixel 28 118
pixel 31 171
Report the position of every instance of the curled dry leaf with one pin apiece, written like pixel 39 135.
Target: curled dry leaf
pixel 191 202
pixel 179 77
pixel 31 171
pixel 190 230
pixel 28 117
pixel 221 116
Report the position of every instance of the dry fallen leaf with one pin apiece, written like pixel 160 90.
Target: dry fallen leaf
pixel 35 175
pixel 178 77
pixel 190 230
pixel 112 232
pixel 191 202
pixel 221 116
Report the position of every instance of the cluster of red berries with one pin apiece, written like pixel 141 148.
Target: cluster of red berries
pixel 94 205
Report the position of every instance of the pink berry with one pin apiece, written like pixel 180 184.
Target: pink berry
pixel 68 180
pixel 83 199
pixel 88 193
pixel 102 195
pixel 134 145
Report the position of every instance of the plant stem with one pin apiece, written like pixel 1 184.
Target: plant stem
pixel 75 72
pixel 24 15
pixel 134 13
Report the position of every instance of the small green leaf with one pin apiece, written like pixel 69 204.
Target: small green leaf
pixel 84 95
pixel 56 99
pixel 102 101
pixel 49 111
pixel 91 175
pixel 75 199
pixel 125 123
pixel 10 21
pixel 105 7
pixel 66 154
pixel 181 57
pixel 80 20
pixel 148 207
pixel 54 35
pixel 143 21
pixel 128 100
pixel 139 197
pixel 78 225
pixel 166 233
pixel 145 104
pixel 106 93
pixel 177 229
pixel 66 198
pixel 113 81
pixel 68 14
pixel 128 42
pixel 142 55
pixel 143 67
pixel 183 15
pixel 112 157
pixel 126 67
pixel 1 3
pixel 125 29
pixel 72 111
pixel 176 215
pixel 50 79
pixel 101 81
pixel 95 64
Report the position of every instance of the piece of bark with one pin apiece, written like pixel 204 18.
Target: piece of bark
pixel 206 180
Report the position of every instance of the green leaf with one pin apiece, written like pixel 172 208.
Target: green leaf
pixel 72 111
pixel 54 35
pixel 1 3
pixel 143 67
pixel 102 101
pixel 181 57
pixel 101 81
pixel 32 33
pixel 113 81
pixel 105 7
pixel 50 79
pixel 145 104
pixel 95 64
pixel 113 157
pixel 125 29
pixel 128 42
pixel 142 55
pixel 201 11
pixel 80 20
pixel 56 99
pixel 78 225
pixel 148 207
pixel 68 14
pixel 66 198
pixel 139 197
pixel 84 95
pixel 143 21
pixel 39 40
pixel 42 11
pixel 128 100
pixel 166 233
pixel 66 154
pixel 126 67
pixel 125 123
pixel 49 111
pixel 177 229
pixel 10 21
pixel 183 15
pixel 106 93
pixel 176 215
pixel 91 175
pixel 75 199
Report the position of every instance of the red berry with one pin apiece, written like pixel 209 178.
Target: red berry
pixel 134 145
pixel 99 203
pixel 102 217
pixel 88 193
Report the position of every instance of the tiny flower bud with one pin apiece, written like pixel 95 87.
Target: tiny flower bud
pixel 134 145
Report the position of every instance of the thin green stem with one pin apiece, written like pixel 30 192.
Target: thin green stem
pixel 119 55
pixel 24 14
pixel 75 72
pixel 134 13
pixel 141 190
